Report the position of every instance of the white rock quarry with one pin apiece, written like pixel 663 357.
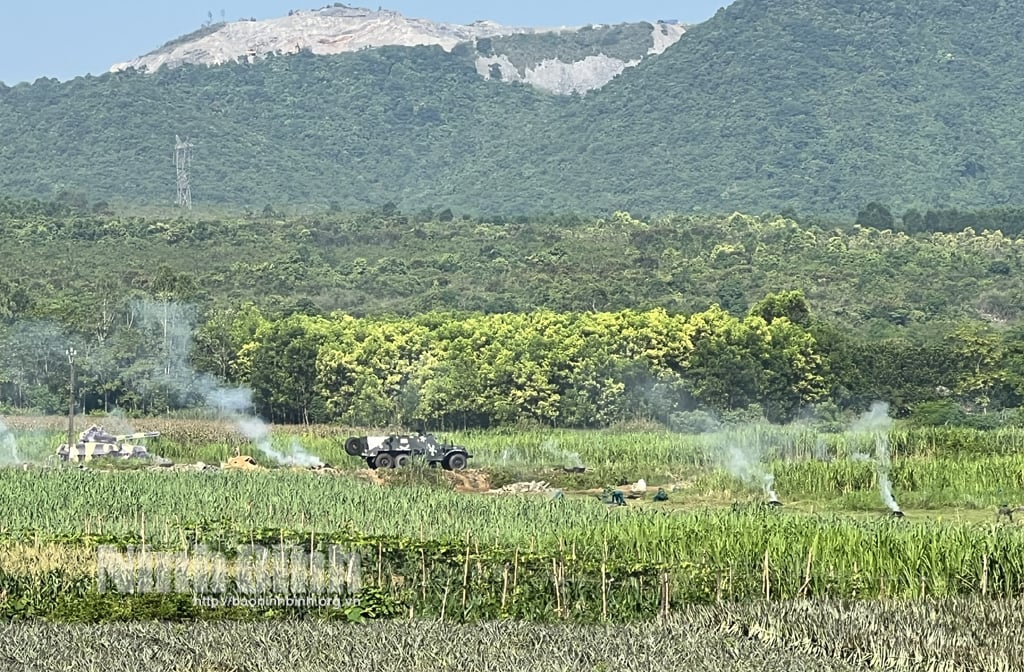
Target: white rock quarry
pixel 556 76
pixel 591 73
pixel 335 30
pixel 332 30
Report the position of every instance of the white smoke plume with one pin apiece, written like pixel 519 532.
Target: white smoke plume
pixel 565 458
pixel 821 451
pixel 744 459
pixel 8 446
pixel 234 404
pixel 877 423
pixel 173 326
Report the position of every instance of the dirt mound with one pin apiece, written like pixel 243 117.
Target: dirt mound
pixel 325 469
pixel 371 475
pixel 245 462
pixel 470 480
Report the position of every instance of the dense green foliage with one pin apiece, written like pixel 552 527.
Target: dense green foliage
pixel 564 321
pixel 824 462
pixel 819 106
pixel 428 551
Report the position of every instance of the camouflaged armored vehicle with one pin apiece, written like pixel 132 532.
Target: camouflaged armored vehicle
pixel 387 452
pixel 96 442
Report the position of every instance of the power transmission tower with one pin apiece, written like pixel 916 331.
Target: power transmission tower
pixel 183 162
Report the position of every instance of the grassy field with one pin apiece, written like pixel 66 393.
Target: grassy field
pixel 432 551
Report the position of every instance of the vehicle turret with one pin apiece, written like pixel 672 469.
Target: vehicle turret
pixel 96 442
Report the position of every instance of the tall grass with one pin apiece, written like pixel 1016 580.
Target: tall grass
pixel 794 554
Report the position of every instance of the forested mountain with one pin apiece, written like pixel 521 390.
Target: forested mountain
pixel 815 106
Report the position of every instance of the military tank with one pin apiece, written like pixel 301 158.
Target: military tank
pixel 96 442
pixel 397 450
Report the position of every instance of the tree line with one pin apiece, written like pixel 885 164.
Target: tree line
pixel 689 372
pixel 929 321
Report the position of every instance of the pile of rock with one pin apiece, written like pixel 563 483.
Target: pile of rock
pixel 523 488
pixel 197 466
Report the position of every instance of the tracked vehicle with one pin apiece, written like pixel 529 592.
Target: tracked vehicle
pixel 96 442
pixel 397 450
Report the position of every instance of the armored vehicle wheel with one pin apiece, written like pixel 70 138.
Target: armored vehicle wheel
pixel 455 462
pixel 384 461
pixel 353 446
pixel 401 461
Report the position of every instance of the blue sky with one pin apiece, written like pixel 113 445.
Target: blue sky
pixel 69 38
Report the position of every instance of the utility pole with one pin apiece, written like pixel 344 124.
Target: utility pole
pixel 71 352
pixel 182 163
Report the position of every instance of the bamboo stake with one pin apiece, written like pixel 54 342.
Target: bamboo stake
pixel 767 578
pixel 444 598
pixel 423 569
pixel 604 592
pixel 504 586
pixel 807 572
pixel 465 577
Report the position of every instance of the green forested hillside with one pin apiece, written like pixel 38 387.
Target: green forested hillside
pixel 820 105
pixel 816 106
pixel 875 280
pixel 351 130
pixel 910 316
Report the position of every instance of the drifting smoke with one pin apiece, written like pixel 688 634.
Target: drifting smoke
pixel 877 423
pixel 234 404
pixel 568 459
pixel 117 422
pixel 744 460
pixel 821 451
pixel 8 446
pixel 547 454
pixel 171 372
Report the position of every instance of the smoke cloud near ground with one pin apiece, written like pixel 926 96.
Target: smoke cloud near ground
pixel 877 423
pixel 564 458
pixel 742 454
pixel 547 454
pixel 8 446
pixel 172 325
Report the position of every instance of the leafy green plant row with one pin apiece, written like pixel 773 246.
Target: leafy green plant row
pixel 710 558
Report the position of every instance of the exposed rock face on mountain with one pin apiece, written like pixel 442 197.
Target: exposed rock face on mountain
pixel 578 76
pixel 338 29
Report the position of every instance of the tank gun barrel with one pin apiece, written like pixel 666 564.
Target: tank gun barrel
pixel 137 435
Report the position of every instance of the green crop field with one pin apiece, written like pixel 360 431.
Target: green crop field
pixel 730 576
